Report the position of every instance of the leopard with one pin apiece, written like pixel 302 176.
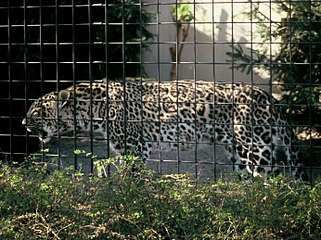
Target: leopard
pixel 136 114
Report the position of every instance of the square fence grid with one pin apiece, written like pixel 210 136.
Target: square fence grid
pixel 48 46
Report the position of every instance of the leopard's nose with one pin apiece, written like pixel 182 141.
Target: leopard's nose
pixel 24 121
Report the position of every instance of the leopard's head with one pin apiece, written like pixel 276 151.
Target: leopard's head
pixel 42 117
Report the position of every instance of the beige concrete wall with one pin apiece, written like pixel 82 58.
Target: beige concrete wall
pixel 217 25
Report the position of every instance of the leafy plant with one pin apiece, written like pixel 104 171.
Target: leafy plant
pixel 182 14
pixel 145 205
pixel 125 165
pixel 296 64
pixel 133 37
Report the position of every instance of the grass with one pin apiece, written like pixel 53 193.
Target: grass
pixel 144 205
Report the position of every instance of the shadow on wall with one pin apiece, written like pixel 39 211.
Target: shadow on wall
pixel 204 57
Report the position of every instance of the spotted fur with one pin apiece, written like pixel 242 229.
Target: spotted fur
pixel 134 115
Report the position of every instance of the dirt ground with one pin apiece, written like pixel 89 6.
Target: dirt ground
pixel 203 161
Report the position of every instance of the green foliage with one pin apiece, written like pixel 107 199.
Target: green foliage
pixel 133 37
pixel 124 165
pixel 183 12
pixel 296 65
pixel 144 205
pixel 108 36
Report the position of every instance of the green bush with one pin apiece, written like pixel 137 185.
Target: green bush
pixel 296 64
pixel 144 205
pixel 125 43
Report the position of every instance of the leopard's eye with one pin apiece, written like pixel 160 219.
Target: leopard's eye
pixel 36 114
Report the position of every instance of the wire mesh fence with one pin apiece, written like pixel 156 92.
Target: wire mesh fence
pixel 152 57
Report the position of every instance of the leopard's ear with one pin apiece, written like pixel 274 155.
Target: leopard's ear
pixel 63 98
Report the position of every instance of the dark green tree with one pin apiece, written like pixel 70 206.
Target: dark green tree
pixel 125 42
pixel 296 65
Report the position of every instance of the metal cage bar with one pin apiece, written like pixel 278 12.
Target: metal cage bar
pixel 50 46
